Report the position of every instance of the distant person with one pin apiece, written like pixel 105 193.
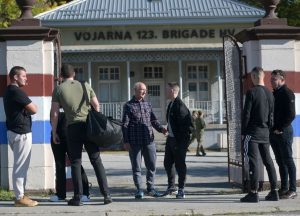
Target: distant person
pixel 198 132
pixel 194 133
pixel 179 127
pixel 282 134
pixel 200 126
pixel 138 123
pixel 18 110
pixel 69 95
pixel 256 124
pixel 60 152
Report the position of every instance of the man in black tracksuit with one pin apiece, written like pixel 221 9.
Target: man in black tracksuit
pixel 256 123
pixel 281 136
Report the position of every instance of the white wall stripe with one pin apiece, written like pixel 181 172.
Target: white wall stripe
pixel 297 103
pixel 43 104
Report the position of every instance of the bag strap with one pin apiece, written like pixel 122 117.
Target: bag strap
pixel 84 98
pixel 85 95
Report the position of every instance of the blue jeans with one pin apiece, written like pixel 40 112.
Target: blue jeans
pixel 149 153
pixel 282 148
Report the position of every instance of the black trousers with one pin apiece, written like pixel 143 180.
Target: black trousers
pixel 59 152
pixel 282 148
pixel 253 150
pixel 175 154
pixel 76 140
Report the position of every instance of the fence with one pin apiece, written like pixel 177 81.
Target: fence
pixel 210 109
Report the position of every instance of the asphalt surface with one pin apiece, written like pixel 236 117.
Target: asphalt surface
pixel 207 193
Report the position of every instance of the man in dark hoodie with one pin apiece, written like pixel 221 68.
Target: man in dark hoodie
pixel 256 124
pixel 281 136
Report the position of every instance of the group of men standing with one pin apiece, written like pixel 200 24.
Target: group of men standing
pixel 264 120
pixel 267 119
pixel 138 136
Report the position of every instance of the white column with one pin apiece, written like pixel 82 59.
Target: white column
pixel 90 72
pixel 220 92
pixel 180 77
pixel 128 80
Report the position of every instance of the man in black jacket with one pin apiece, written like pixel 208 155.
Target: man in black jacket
pixel 282 134
pixel 256 123
pixel 179 128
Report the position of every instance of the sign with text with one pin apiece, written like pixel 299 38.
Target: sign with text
pixel 163 34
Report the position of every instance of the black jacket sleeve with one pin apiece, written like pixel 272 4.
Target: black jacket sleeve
pixel 289 111
pixel 246 112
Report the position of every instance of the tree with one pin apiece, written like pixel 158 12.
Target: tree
pixel 9 9
pixel 286 9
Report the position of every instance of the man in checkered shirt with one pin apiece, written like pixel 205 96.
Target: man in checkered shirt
pixel 138 122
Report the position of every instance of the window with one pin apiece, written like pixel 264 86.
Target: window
pixel 197 82
pixel 154 90
pixel 153 72
pixel 79 75
pixel 109 84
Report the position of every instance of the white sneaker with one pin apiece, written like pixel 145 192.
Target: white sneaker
pixel 84 198
pixel 55 198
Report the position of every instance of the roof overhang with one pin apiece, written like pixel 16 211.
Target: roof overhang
pixel 123 22
pixel 146 47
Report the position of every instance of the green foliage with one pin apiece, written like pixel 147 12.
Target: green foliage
pixel 290 9
pixel 286 9
pixel 6 195
pixel 10 11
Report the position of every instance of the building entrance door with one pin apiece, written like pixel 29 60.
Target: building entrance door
pixel 155 96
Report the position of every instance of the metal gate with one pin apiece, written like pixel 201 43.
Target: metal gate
pixel 234 104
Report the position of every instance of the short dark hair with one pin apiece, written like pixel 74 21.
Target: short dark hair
pixel 172 85
pixel 67 71
pixel 15 71
pixel 278 72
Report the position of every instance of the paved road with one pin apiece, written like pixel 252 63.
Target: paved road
pixel 207 193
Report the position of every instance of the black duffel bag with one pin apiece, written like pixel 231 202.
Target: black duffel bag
pixel 103 131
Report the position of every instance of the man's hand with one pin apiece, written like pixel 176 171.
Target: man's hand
pixel 277 132
pixel 164 131
pixel 55 138
pixel 127 146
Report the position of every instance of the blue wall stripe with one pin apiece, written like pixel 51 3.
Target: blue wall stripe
pixel 296 126
pixel 40 132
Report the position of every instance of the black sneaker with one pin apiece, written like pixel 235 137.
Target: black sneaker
pixel 282 193
pixel 153 193
pixel 250 197
pixel 272 196
pixel 75 202
pixel 180 194
pixel 107 200
pixel 139 194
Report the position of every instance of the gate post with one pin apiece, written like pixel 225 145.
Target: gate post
pixel 26 43
pixel 272 44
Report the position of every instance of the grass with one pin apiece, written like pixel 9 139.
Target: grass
pixel 6 195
